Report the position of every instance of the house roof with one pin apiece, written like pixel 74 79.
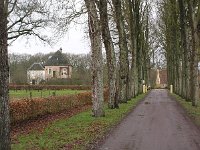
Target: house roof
pixel 58 59
pixel 36 66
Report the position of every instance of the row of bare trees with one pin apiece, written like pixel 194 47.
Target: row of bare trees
pixel 122 25
pixel 179 22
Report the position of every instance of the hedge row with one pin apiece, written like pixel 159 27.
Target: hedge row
pixel 49 87
pixel 31 108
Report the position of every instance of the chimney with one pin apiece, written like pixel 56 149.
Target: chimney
pixel 60 49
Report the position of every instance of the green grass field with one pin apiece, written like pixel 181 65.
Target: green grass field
pixel 41 93
pixel 76 132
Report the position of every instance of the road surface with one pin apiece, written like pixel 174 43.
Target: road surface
pixel 158 123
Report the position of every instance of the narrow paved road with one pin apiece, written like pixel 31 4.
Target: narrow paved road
pixel 158 123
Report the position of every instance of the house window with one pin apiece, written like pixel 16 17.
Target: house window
pixel 64 72
pixel 54 74
pixel 50 71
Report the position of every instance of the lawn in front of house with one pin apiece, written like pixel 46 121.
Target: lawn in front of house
pixel 41 93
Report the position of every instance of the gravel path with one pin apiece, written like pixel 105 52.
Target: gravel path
pixel 158 123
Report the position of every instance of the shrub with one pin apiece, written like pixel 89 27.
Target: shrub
pixel 49 87
pixel 21 110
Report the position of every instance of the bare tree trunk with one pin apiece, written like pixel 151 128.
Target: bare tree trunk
pixel 97 59
pixel 137 67
pixel 197 44
pixel 124 64
pixel 147 57
pixel 194 85
pixel 117 85
pixel 131 26
pixel 184 47
pixel 110 54
pixel 4 76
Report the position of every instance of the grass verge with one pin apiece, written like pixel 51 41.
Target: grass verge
pixel 76 132
pixel 193 112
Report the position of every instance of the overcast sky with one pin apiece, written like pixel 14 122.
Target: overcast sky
pixel 74 42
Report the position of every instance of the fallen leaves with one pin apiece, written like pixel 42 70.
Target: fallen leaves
pixel 41 122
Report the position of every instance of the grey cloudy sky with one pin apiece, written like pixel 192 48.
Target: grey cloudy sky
pixel 73 42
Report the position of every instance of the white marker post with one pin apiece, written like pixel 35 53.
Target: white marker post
pixel 144 89
pixel 171 88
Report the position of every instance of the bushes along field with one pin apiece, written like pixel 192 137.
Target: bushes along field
pixel 23 94
pixel 31 108
pixel 49 87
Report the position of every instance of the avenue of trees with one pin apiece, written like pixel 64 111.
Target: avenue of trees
pixel 179 25
pixel 122 27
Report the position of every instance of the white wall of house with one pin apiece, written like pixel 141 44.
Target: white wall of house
pixel 37 75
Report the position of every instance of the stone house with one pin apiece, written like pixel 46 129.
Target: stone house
pixel 56 67
pixel 161 78
pixel 36 73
